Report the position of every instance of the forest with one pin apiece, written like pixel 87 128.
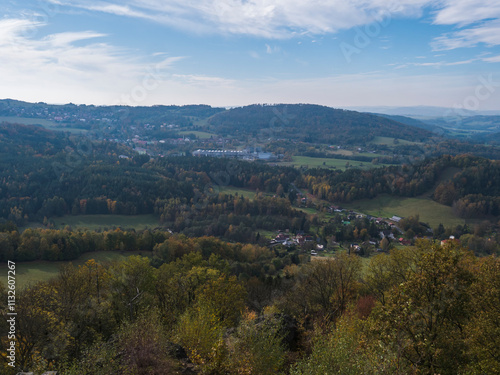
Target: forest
pixel 212 293
pixel 47 174
pixel 312 124
pixel 203 306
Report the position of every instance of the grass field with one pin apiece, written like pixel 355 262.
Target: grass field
pixel 308 210
pixel 198 134
pixel 27 121
pixel 47 124
pixel 430 212
pixel 387 141
pixel 93 222
pixel 250 194
pixel 309 162
pixel 33 272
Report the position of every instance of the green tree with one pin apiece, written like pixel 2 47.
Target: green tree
pixel 424 318
pixel 325 288
pixel 385 271
pixel 219 304
pixel 132 286
pixel 257 346
pixel 347 349
pixel 483 331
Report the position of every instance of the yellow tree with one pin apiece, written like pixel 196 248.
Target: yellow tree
pixel 219 304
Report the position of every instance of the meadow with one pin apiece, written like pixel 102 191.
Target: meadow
pixel 47 124
pixel 32 272
pixel 388 141
pixel 27 121
pixel 429 211
pixel 247 193
pixel 96 222
pixel 198 134
pixel 329 163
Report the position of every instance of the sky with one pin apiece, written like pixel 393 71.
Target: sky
pixel 339 53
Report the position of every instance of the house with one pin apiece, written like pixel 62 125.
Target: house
pixel 335 209
pixel 300 239
pixel 282 237
pixel 404 242
pixel 449 240
pixel 397 219
pixel 386 233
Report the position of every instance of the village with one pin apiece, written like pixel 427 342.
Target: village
pixel 381 235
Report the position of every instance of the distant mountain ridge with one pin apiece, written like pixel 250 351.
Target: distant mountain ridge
pixel 423 111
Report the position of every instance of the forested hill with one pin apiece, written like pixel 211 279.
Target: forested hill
pixel 312 123
pixel 413 122
pixel 87 115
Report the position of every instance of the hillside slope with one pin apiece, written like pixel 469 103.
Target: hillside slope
pixel 311 123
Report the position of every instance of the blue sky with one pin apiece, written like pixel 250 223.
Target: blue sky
pixel 340 53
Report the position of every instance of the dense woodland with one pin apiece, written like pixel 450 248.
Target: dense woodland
pixel 46 174
pixel 209 295
pixel 208 307
pixel 311 123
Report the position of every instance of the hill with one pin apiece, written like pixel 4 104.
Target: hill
pixel 413 122
pixel 311 123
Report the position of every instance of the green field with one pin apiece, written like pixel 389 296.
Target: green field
pixel 33 272
pixel 198 134
pixel 430 212
pixel 247 193
pixel 387 141
pixel 27 121
pixel 47 124
pixel 94 222
pixel 309 162
pixel 308 210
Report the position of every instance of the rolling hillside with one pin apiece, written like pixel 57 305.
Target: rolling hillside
pixel 311 123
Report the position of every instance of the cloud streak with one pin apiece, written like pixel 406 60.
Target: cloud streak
pixel 281 19
pixel 75 65
pixel 272 19
pixel 479 20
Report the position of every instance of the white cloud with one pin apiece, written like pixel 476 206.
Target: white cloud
pixel 487 33
pixel 82 68
pixel 494 59
pixel 466 12
pixel 273 19
pixel 204 81
pixel 68 66
pixel 480 20
pixel 279 19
